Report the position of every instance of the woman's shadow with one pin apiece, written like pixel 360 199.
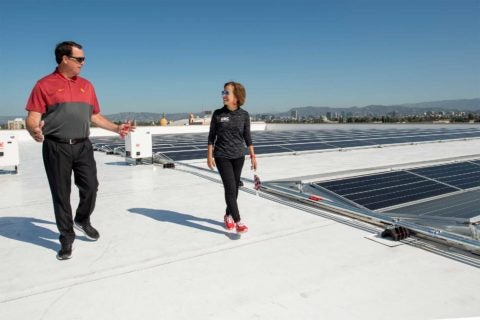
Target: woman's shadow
pixel 184 219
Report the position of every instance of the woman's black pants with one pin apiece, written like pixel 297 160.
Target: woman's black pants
pixel 230 171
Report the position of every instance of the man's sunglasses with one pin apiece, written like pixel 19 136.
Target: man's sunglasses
pixel 225 93
pixel 78 59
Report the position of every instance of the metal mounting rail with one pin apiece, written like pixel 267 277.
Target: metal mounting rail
pixel 431 233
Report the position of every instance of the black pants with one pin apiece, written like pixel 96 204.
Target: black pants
pixel 230 170
pixel 60 160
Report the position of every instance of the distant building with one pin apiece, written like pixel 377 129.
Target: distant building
pixel 163 121
pixel 294 115
pixel 266 117
pixel 16 124
pixel 195 120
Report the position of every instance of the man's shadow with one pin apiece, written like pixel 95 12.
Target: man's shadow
pixel 4 171
pixel 30 230
pixel 184 220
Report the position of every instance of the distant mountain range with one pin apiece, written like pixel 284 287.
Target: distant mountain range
pixel 466 105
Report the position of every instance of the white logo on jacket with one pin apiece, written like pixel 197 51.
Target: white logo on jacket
pixel 224 119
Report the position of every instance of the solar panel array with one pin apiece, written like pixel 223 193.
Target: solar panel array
pixel 384 190
pixel 462 175
pixel 463 206
pixel 194 146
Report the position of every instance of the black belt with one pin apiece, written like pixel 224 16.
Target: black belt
pixel 67 141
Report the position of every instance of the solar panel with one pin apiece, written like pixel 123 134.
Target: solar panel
pixel 309 146
pixel 464 182
pixel 186 155
pixel 386 189
pixel 177 148
pixel 303 140
pixel 463 206
pixel 269 143
pixel 462 175
pixel 366 183
pixel 350 143
pixel 270 149
pixel 383 190
pixel 377 199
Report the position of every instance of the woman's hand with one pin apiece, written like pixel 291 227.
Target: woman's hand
pixel 253 161
pixel 210 163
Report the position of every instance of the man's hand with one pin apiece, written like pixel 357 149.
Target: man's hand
pixel 125 128
pixel 37 132
pixel 35 125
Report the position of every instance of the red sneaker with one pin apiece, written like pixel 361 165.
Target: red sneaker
pixel 229 223
pixel 241 228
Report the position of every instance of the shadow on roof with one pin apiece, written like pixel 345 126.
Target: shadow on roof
pixel 29 230
pixel 184 220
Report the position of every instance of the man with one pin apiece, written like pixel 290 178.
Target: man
pixel 60 109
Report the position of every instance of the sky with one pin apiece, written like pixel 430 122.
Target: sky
pixel 175 55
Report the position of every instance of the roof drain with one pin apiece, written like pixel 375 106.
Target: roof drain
pixel 396 233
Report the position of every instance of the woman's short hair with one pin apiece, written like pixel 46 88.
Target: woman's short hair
pixel 238 91
pixel 65 49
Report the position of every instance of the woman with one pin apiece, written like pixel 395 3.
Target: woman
pixel 229 132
